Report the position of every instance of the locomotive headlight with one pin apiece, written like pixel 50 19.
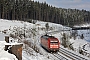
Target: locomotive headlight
pixel 50 47
pixel 53 46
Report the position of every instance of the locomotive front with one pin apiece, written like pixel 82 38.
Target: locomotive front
pixel 54 44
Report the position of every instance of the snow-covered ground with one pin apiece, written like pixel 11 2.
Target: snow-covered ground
pixel 10 27
pixel 33 33
pixel 86 40
pixel 4 55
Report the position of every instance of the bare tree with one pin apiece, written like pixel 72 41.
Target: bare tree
pixel 47 26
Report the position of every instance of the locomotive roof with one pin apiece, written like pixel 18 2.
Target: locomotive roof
pixel 47 36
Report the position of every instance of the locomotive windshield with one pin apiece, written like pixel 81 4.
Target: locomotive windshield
pixel 53 42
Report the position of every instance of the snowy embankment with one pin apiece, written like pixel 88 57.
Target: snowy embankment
pixel 82 41
pixel 13 28
pixel 4 55
pixel 33 33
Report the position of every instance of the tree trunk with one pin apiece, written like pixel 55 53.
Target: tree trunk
pixel 2 12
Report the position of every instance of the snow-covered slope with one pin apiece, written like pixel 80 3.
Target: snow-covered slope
pixel 10 27
pixel 4 55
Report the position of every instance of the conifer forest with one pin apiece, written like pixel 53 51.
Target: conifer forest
pixel 27 10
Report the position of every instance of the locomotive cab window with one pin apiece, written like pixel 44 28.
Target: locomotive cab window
pixel 53 42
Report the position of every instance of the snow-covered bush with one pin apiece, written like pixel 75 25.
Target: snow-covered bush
pixel 34 21
pixel 64 40
pixel 74 34
pixel 80 51
pixel 82 37
pixel 47 26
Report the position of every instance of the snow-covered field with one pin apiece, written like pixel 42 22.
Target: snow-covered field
pixel 33 33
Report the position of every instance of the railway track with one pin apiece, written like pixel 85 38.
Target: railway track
pixel 71 55
pixel 60 57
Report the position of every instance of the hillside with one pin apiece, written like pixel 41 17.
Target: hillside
pixel 33 32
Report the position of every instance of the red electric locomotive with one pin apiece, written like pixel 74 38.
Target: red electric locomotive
pixel 50 43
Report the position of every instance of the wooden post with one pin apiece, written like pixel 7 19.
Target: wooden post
pixel 7 39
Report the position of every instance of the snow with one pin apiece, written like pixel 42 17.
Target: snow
pixel 2 37
pixel 35 56
pixel 86 41
pixel 28 53
pixel 83 25
pixel 13 43
pixel 88 48
pixel 8 26
pixel 4 55
pixel 78 43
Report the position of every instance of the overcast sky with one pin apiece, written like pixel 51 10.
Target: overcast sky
pixel 78 4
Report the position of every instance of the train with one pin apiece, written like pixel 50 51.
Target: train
pixel 50 43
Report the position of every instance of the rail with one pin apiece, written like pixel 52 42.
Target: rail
pixel 71 55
